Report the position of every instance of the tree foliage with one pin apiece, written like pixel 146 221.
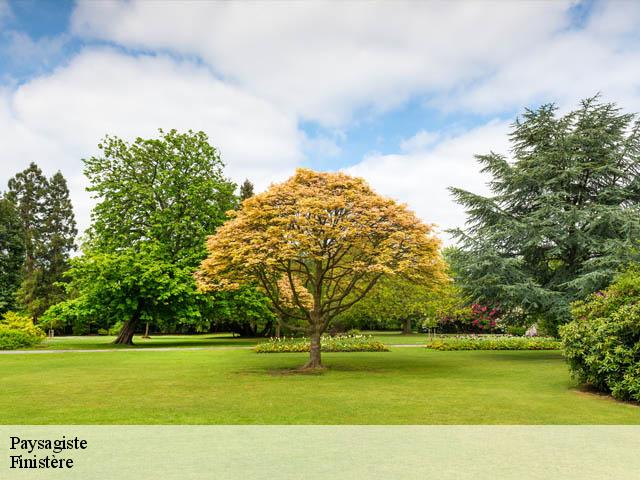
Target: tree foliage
pixel 12 251
pixel 563 215
pixel 317 244
pixel 157 201
pixel 394 303
pixel 246 190
pixel 27 191
pixel 602 343
pixel 49 231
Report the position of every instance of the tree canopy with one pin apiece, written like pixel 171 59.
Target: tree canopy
pixel 12 251
pixel 158 199
pixel 317 244
pixel 563 216
pixel 49 231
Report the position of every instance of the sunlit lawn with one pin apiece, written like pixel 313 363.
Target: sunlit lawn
pixel 404 386
pixel 204 340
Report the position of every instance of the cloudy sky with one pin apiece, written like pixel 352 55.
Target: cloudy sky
pixel 403 94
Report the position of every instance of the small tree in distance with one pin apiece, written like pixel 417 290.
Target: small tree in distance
pixel 317 244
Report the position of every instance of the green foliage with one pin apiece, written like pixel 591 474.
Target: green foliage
pixel 112 288
pixel 563 216
pixel 169 190
pixel 245 311
pixel 393 303
pixel 11 253
pixel 493 343
pixel 516 330
pixel 338 343
pixel 158 199
pixel 602 343
pixel 18 331
pixel 246 190
pixel 49 231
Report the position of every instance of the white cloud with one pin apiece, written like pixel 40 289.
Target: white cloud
pixel 325 60
pixel 421 178
pixel 58 119
pixel 419 141
pixel 604 56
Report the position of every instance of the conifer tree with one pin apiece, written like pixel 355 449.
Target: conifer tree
pixel 564 214
pixel 11 253
pixel 246 190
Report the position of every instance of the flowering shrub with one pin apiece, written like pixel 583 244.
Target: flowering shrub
pixel 492 342
pixel 475 318
pixel 18 331
pixel 602 343
pixel 339 343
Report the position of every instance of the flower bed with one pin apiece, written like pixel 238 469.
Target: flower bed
pixel 340 343
pixel 493 342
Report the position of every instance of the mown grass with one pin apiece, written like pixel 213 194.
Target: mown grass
pixel 95 342
pixel 404 386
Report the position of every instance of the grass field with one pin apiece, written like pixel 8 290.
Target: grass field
pixel 404 386
pixel 205 340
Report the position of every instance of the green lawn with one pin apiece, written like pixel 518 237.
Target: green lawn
pixel 204 340
pixel 404 386
pixel 157 341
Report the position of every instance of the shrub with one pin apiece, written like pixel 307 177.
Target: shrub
pixel 18 331
pixel 339 343
pixel 602 343
pixel 492 342
pixel 516 330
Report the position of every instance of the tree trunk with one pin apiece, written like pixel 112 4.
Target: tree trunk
pixel 406 329
pixel 314 352
pixel 146 331
pixel 125 337
pixel 278 329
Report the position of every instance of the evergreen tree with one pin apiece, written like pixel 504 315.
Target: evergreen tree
pixel 49 227
pixel 563 216
pixel 27 191
pixel 246 190
pixel 11 253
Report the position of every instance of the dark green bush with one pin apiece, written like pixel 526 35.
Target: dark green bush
pixel 339 343
pixel 602 343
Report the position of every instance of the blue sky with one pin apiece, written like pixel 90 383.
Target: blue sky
pixel 403 94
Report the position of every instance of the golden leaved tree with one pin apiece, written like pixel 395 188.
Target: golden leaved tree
pixel 317 244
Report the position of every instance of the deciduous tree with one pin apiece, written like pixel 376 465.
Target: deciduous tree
pixel 317 244
pixel 158 199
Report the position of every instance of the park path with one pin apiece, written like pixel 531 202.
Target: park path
pixel 147 349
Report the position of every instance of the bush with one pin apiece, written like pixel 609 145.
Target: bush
pixel 340 343
pixel 18 331
pixel 516 330
pixel 492 342
pixel 602 343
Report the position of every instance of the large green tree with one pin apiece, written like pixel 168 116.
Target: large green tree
pixel 158 199
pixel 11 253
pixel 56 236
pixel 27 190
pixel 49 231
pixel 563 215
